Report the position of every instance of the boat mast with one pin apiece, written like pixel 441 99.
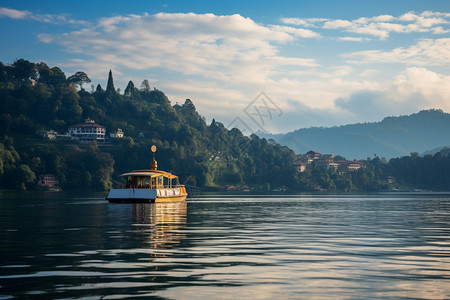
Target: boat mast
pixel 154 164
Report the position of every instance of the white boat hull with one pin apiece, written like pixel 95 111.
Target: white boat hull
pixel 146 195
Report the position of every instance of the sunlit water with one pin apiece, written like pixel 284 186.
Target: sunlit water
pixel 60 245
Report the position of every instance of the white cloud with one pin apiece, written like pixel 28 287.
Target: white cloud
pixel 440 30
pixel 13 13
pixel 433 14
pixel 304 33
pixel 383 18
pixel 232 48
pixel 371 29
pixel 353 39
pixel 45 18
pixel 309 22
pixel 432 87
pixel 412 90
pixel 337 24
pixel 425 52
pixel 208 96
pixel 381 26
pixel 45 38
pixel 316 97
pixel 369 72
pixel 408 17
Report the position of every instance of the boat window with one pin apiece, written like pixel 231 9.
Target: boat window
pixel 160 181
pixel 141 182
pixel 132 182
pixel 166 182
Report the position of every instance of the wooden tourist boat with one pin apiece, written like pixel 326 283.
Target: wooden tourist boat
pixel 148 186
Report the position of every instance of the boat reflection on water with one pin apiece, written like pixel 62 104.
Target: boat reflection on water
pixel 161 224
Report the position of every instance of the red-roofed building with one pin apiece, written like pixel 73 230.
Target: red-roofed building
pixel 48 182
pixel 355 165
pixel 313 154
pixel 88 132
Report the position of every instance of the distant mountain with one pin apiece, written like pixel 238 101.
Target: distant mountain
pixel 444 150
pixel 392 137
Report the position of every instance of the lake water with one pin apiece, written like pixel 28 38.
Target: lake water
pixel 67 245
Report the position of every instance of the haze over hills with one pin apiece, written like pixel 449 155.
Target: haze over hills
pixel 391 137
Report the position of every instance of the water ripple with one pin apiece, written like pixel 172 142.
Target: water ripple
pixel 298 247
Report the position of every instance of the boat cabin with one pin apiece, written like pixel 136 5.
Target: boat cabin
pixel 150 179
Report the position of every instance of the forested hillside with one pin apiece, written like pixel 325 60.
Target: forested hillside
pixel 34 96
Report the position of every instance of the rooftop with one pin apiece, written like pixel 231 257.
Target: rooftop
pixel 88 123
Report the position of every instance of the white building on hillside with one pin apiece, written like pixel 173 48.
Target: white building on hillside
pixel 88 132
pixel 116 134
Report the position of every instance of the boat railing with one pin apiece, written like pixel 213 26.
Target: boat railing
pixel 173 191
pixel 130 186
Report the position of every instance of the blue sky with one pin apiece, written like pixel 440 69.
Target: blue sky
pixel 319 63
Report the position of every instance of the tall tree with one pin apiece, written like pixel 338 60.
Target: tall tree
pixel 145 85
pixel 79 78
pixel 110 84
pixel 130 89
pixel 58 77
pixel 23 70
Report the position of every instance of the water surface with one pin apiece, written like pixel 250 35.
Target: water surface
pixel 69 245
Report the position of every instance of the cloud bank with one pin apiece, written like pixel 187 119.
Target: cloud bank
pixel 427 52
pixel 380 26
pixel 45 18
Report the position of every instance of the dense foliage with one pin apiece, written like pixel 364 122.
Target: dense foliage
pixel 34 96
pixel 430 172
pixel 414 172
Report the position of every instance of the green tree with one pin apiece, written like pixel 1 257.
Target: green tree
pixel 69 109
pixel 130 90
pixel 110 85
pixel 145 86
pixel 24 177
pixel 23 71
pixel 79 78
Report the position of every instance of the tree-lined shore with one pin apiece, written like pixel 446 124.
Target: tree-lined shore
pixel 34 96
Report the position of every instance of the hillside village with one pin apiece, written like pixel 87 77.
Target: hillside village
pixel 89 132
pixel 326 161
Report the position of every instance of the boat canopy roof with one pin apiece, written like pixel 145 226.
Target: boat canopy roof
pixel 149 173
